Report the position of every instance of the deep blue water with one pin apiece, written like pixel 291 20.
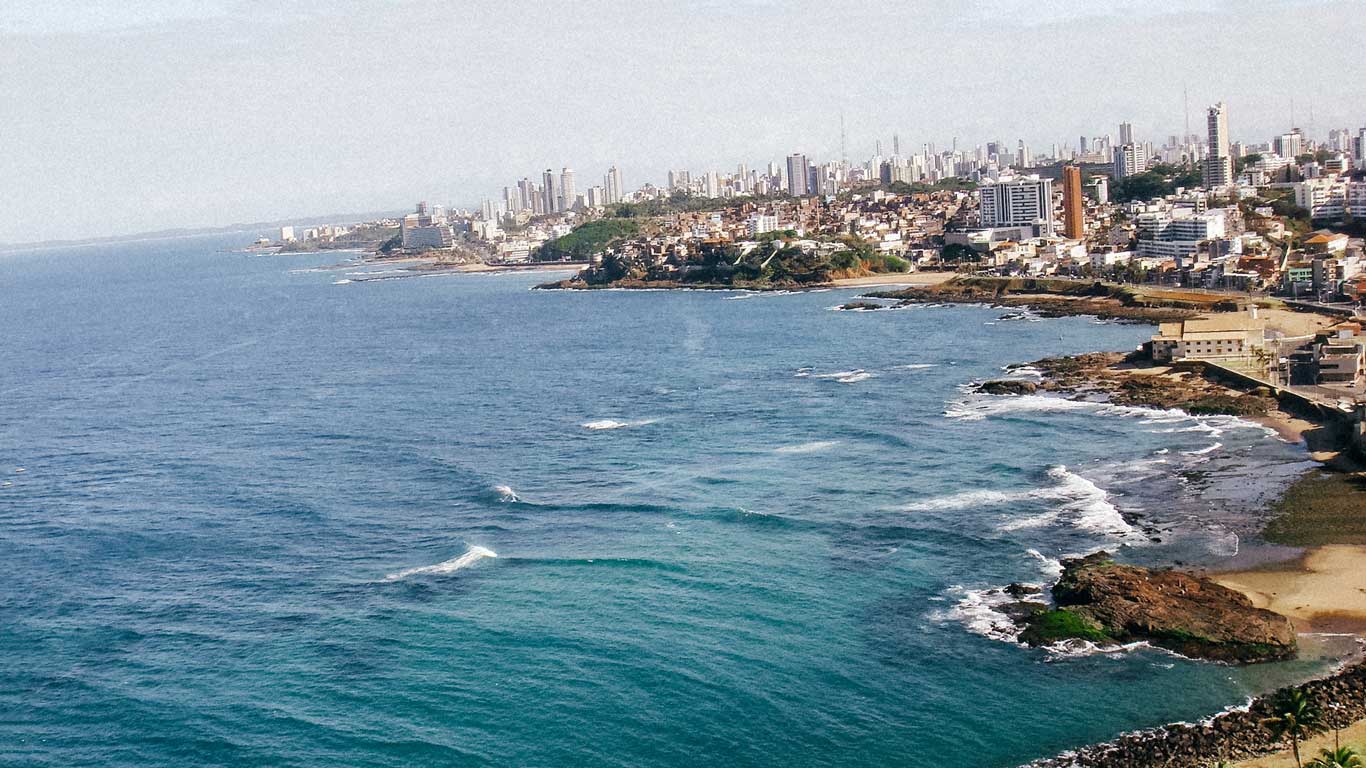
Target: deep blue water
pixel 238 477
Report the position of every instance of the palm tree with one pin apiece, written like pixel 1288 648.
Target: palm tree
pixel 1342 757
pixel 1297 717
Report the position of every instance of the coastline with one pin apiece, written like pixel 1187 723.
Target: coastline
pixel 1321 587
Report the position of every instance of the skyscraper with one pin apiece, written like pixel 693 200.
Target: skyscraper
pixel 1073 210
pixel 613 186
pixel 1126 133
pixel 566 189
pixel 548 191
pixel 1218 163
pixel 798 171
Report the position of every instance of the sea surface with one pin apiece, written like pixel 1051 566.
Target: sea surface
pixel 254 511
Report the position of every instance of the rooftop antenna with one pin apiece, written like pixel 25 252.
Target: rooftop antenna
pixel 844 150
pixel 1186 100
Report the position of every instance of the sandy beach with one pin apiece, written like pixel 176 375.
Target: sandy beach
pixel 1323 591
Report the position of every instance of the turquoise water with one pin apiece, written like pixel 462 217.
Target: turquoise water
pixel 256 508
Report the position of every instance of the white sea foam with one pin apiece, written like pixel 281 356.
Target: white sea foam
pixel 343 281
pixel 506 494
pixel 1205 450
pixel 979 610
pixel 815 446
pixel 601 424
pixel 1082 504
pixel 473 555
pixel 914 366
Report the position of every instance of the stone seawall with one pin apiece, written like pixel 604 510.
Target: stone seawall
pixel 1235 735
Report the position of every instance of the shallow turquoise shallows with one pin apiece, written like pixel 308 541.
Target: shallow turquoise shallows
pixel 260 506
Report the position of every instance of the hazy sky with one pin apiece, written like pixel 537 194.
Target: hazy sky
pixel 120 116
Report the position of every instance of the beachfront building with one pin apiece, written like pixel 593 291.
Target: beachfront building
pixel 1221 337
pixel 1022 201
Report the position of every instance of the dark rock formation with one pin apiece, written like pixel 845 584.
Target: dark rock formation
pixel 1100 600
pixel 1008 387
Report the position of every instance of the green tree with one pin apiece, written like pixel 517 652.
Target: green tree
pixel 1341 757
pixel 957 252
pixel 1296 717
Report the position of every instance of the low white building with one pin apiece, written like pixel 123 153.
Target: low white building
pixel 1218 337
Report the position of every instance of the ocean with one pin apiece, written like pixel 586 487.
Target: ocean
pixel 254 511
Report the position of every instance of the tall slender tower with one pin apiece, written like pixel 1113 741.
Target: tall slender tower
pixel 1073 210
pixel 548 191
pixel 1219 162
pixel 568 194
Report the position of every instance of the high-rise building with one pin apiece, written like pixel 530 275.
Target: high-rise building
pixel 1126 133
pixel 1359 149
pixel 612 185
pixel 1022 157
pixel 1021 201
pixel 1073 206
pixel 1130 159
pixel 1219 162
pixel 567 194
pixel 798 175
pixel 526 195
pixel 1288 145
pixel 711 185
pixel 548 196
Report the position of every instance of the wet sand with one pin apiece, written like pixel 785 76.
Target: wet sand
pixel 1323 591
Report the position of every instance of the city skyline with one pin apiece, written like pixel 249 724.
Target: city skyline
pixel 176 146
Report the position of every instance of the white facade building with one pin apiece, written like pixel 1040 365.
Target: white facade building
pixel 1022 201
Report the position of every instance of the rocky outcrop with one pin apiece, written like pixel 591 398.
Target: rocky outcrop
pixel 1008 387
pixel 1099 600
pixel 1236 735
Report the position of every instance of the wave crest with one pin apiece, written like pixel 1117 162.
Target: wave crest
pixel 473 555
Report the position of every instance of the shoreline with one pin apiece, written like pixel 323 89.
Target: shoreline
pixel 1320 587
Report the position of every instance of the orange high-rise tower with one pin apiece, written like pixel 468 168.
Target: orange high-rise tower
pixel 1073 207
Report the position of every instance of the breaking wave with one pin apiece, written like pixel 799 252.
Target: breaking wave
pixel 1083 504
pixel 815 446
pixel 601 424
pixel 473 555
pixel 506 494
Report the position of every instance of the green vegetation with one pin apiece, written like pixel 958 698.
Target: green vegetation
pixel 682 202
pixel 1061 624
pixel 1297 718
pixel 952 184
pixel 1227 405
pixel 1158 181
pixel 1320 508
pixel 586 239
pixel 389 245
pixel 1338 757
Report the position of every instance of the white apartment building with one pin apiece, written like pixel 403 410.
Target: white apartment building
pixel 1023 201
pixel 1130 159
pixel 1325 199
pixel 1178 233
pixel 760 223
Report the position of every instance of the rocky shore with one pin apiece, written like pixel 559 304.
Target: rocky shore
pixel 1061 298
pixel 1131 380
pixel 1101 601
pixel 1233 735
